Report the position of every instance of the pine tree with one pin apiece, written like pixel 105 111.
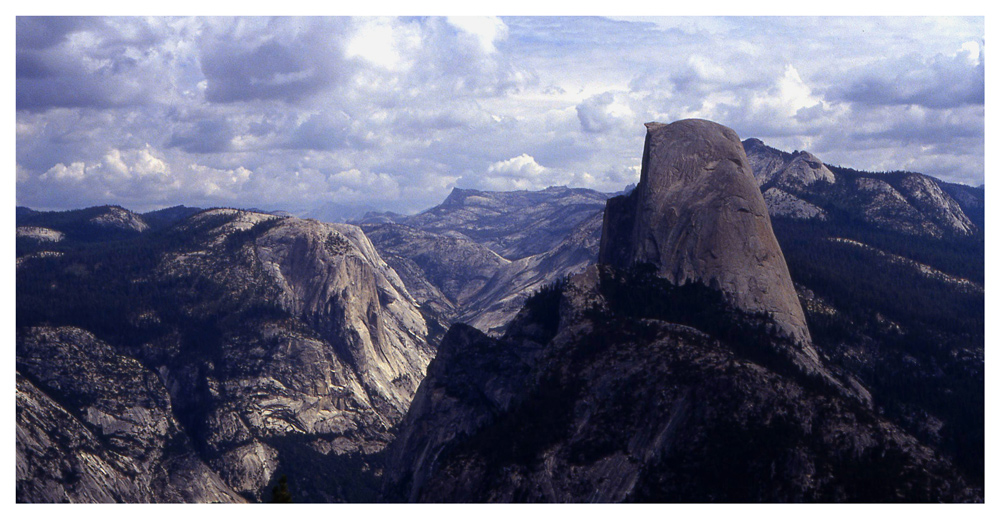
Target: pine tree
pixel 280 493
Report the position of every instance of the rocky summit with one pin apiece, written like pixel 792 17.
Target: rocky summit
pixel 698 215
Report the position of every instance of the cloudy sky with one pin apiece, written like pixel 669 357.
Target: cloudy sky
pixel 392 113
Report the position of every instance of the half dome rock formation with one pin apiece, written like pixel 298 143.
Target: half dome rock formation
pixel 698 215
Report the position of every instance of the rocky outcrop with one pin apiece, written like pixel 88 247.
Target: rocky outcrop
pixel 331 275
pixel 102 223
pixel 115 217
pixel 443 271
pixel 96 426
pixel 348 375
pixel 764 160
pixel 39 234
pixel 971 199
pixel 803 171
pixel 790 171
pixel 927 197
pixel 502 298
pixel 782 203
pixel 913 204
pixel 698 215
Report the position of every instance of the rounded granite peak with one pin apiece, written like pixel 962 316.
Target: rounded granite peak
pixel 804 170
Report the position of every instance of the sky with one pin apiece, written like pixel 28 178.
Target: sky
pixel 392 113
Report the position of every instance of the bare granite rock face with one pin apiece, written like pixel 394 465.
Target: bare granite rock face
pixel 343 379
pixel 277 345
pixel 782 203
pixel 944 211
pixel 790 171
pixel 765 161
pixel 698 215
pixel 332 276
pixel 803 171
pixel 96 426
pixel 120 218
pixel 799 185
pixel 39 234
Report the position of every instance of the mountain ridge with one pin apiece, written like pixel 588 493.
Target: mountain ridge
pixel 274 340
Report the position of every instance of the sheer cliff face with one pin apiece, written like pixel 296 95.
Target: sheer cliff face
pixel 698 215
pixel 331 275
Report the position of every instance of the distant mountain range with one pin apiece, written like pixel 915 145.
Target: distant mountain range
pixel 198 355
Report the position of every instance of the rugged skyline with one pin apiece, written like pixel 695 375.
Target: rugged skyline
pixel 392 113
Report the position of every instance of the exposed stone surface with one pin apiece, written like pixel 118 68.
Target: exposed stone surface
pixel 764 160
pixel 332 276
pixel 927 197
pixel 971 199
pixel 803 171
pixel 39 234
pixel 109 222
pixel 95 426
pixel 450 256
pixel 796 170
pixel 782 203
pixel 905 202
pixel 698 215
pixel 884 206
pixel 290 347
pixel 119 218
pixel 444 271
pixel 24 259
pixel 281 344
pixel 502 298
pixel 900 201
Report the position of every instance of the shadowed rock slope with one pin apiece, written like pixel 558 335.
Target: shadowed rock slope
pixel 620 387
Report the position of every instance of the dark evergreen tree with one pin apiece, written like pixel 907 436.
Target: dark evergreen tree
pixel 280 493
